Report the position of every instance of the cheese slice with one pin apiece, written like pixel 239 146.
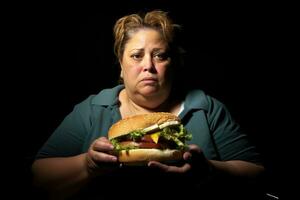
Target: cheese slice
pixel 155 137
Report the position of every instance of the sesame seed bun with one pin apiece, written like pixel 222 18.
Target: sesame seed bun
pixel 140 156
pixel 138 122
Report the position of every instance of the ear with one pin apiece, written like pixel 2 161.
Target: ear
pixel 121 73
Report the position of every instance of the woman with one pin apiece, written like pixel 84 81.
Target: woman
pixel 79 153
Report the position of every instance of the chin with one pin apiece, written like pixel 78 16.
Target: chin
pixel 150 90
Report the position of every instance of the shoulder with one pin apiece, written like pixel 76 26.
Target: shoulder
pixel 198 99
pixel 105 98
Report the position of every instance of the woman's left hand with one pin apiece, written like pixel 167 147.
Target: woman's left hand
pixel 194 162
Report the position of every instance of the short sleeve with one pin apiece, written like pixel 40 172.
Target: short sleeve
pixel 69 136
pixel 230 141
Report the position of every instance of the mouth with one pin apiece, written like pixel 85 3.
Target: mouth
pixel 149 80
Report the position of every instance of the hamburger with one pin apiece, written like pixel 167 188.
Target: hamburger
pixel 158 136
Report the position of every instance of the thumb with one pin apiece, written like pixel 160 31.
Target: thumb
pixel 194 149
pixel 187 156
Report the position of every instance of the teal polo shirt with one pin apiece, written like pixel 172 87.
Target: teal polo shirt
pixel 206 118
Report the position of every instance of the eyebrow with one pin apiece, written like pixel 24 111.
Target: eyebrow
pixel 142 49
pixel 158 49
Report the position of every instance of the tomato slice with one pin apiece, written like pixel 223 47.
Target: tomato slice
pixel 146 144
pixel 125 144
pixel 149 145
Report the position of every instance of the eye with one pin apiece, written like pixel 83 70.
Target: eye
pixel 161 56
pixel 136 56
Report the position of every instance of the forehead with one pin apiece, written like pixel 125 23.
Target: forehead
pixel 146 37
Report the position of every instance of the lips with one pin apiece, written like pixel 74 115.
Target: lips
pixel 150 79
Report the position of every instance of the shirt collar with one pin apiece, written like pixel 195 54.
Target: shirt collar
pixel 108 97
pixel 195 99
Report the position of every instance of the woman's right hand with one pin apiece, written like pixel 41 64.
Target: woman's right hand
pixel 99 157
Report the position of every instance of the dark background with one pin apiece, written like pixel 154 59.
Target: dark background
pixel 242 54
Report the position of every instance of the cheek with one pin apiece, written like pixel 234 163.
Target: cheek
pixel 163 70
pixel 132 71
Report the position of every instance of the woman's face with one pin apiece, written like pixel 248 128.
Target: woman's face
pixel 145 64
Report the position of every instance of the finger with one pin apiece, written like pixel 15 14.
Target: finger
pixel 168 168
pixel 194 149
pixel 187 156
pixel 104 139
pixel 103 157
pixel 155 164
pixel 197 159
pixel 194 154
pixel 102 145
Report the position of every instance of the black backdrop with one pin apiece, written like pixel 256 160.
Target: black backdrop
pixel 236 53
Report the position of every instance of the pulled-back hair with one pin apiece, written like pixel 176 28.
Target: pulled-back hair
pixel 158 20
pixel 125 26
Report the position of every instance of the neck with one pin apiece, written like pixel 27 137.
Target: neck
pixel 136 107
pixel 139 109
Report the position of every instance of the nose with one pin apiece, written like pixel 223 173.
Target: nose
pixel 148 64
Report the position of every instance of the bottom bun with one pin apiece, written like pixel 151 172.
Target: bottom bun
pixel 142 156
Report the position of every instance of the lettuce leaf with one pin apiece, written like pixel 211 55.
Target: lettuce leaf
pixel 176 134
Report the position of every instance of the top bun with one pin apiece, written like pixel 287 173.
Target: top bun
pixel 138 122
